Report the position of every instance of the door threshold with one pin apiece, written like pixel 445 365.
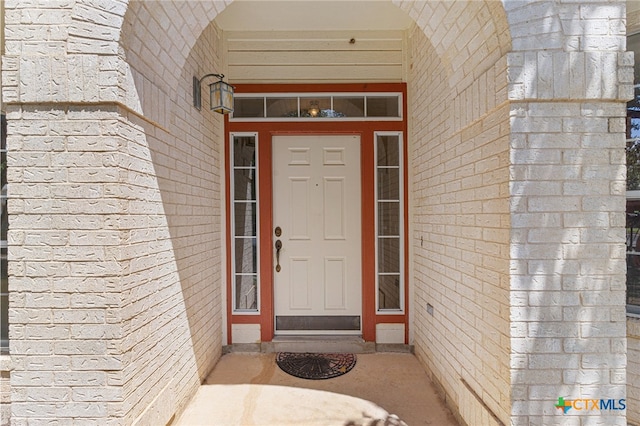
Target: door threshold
pixel 318 337
pixel 319 344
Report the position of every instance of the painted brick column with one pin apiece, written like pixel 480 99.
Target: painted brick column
pixel 115 235
pixel 568 238
pixel 63 171
pixel 63 262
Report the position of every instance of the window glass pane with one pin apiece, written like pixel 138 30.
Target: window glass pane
pixel 633 256
pixel 633 279
pixel 248 107
pixel 633 164
pixel 246 255
pixel 389 292
pixel 329 106
pixel 633 44
pixel 4 321
pixel 389 184
pixel 245 219
pixel 4 302
pixel 4 215
pixel 349 107
pixel 3 184
pixel 388 151
pixel 633 183
pixel 315 107
pixel 246 292
pixel 4 223
pixel 4 299
pixel 382 106
pixel 389 218
pixel 389 255
pixel 4 286
pixel 244 184
pixel 633 142
pixel 244 151
pixel 282 107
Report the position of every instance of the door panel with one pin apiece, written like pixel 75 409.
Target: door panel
pixel 299 295
pixel 299 199
pixel 316 203
pixel 334 208
pixel 335 283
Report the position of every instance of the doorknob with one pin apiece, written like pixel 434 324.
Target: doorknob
pixel 278 247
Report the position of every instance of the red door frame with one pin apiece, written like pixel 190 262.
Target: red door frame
pixel 365 129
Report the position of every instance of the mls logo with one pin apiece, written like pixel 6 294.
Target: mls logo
pixel 563 405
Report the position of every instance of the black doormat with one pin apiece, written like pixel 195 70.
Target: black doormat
pixel 315 366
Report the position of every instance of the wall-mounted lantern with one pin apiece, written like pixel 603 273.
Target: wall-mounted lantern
pixel 221 94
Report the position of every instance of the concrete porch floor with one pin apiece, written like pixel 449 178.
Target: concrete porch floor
pixel 250 389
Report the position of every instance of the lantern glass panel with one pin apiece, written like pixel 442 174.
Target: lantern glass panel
pixel 221 97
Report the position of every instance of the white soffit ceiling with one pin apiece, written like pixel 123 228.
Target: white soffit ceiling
pixel 312 15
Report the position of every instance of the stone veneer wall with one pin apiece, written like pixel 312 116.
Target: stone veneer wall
pixel 115 239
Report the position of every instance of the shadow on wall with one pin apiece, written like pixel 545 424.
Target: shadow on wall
pixel 567 243
pixel 173 156
pixel 460 169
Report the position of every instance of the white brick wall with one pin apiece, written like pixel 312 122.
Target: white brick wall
pixel 461 240
pixel 115 257
pixel 567 207
pixel 158 57
pixel 518 194
pixel 563 320
pixel 568 315
pixel 64 280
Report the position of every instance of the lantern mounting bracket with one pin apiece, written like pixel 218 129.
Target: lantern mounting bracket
pixel 197 88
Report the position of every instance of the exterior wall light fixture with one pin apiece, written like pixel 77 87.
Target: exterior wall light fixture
pixel 221 94
pixel 314 109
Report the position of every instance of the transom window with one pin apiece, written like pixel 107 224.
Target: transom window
pixel 317 106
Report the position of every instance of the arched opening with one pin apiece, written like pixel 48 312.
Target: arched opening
pixel 116 258
pixel 450 56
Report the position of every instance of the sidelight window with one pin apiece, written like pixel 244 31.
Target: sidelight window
pixel 244 246
pixel 389 223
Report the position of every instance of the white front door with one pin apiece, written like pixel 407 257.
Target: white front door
pixel 317 210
